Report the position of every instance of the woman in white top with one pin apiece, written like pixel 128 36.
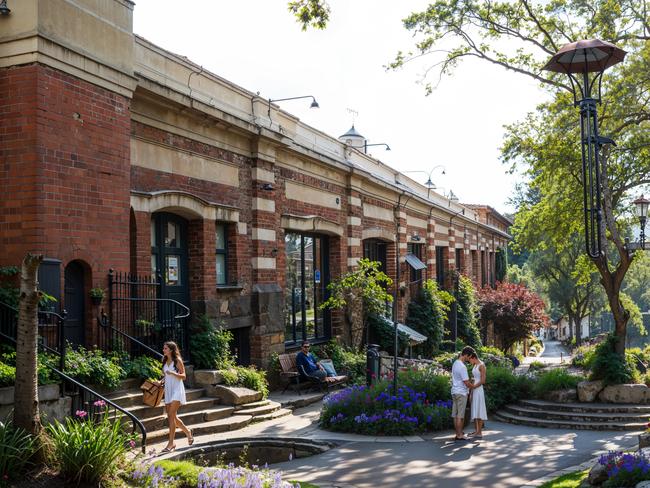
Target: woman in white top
pixel 174 372
pixel 479 412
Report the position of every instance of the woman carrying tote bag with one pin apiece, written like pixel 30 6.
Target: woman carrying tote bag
pixel 174 372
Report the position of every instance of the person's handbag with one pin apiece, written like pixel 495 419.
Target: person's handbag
pixel 152 394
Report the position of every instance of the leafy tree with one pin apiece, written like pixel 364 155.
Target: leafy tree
pixel 467 313
pixel 569 280
pixel 520 35
pixel 427 314
pixel 515 311
pixel 360 292
pixel 637 282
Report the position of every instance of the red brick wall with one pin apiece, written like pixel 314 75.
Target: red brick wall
pixel 64 169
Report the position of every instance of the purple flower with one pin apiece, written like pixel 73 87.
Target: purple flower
pixel 81 414
pixel 100 403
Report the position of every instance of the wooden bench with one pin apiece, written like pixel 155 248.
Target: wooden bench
pixel 292 376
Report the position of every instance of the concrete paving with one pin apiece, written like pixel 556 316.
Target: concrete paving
pixel 508 456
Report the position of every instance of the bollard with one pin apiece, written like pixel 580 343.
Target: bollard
pixel 561 357
pixel 372 364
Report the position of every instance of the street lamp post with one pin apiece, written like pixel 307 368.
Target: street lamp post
pixel 582 58
pixel 641 207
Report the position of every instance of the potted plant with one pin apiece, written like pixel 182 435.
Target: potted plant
pixel 96 295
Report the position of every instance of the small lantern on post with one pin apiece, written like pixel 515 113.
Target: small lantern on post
pixel 582 58
pixel 641 210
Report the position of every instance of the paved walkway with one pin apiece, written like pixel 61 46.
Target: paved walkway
pixel 509 455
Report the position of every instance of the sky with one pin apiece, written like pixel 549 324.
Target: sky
pixel 258 45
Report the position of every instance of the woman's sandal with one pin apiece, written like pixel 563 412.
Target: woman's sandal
pixel 190 441
pixel 168 449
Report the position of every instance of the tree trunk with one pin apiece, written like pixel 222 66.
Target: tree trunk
pixel 574 321
pixel 26 413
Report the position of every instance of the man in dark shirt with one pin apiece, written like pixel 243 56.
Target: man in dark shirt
pixel 307 362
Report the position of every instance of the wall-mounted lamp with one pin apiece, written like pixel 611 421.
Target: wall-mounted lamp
pixel 429 184
pixel 415 237
pixel 314 103
pixel 4 10
pixel 266 187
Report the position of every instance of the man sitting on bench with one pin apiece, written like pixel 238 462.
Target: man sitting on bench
pixel 308 365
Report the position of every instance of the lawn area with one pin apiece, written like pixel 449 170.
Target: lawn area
pixel 571 480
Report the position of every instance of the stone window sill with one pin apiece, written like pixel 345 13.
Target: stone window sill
pixel 230 287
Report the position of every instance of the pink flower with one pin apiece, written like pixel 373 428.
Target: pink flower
pixel 81 414
pixel 132 443
pixel 100 403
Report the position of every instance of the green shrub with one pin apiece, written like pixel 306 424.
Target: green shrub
pixel 446 359
pixel 503 387
pixel 210 345
pixel 427 380
pixel 383 332
pixel 468 312
pixel 345 360
pixel 451 346
pixel 185 472
pixel 93 368
pixel 16 450
pixel 7 375
pixel 494 351
pixel 246 376
pixel 143 367
pixel 87 450
pixel 45 375
pixel 610 367
pixel 536 366
pixel 556 379
pixel 427 313
pixel 584 357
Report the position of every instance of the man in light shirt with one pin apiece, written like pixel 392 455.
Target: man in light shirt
pixel 460 387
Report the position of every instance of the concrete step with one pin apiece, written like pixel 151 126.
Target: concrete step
pixel 567 415
pixel 259 410
pixel 587 407
pixel 569 425
pixel 145 411
pixel 281 412
pixel 133 398
pixel 189 418
pixel 204 428
pixel 260 403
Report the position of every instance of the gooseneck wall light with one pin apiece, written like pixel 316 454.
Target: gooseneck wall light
pixel 314 103
pixel 585 62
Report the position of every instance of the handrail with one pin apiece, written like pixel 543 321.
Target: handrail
pixel 134 419
pixel 133 299
pixel 104 322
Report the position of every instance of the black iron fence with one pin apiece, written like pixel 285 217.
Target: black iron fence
pixel 138 321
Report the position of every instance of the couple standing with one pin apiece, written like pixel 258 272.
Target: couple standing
pixel 462 388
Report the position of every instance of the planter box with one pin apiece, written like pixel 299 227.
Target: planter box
pixel 45 393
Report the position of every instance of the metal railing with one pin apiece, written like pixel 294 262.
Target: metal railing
pixel 137 317
pixel 82 397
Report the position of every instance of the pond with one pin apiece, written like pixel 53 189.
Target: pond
pixel 253 451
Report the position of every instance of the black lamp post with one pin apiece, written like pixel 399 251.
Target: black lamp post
pixel 582 58
pixel 641 209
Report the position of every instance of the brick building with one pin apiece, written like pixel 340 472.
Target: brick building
pixel 118 154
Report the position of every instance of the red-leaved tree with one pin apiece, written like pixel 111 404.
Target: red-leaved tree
pixel 515 311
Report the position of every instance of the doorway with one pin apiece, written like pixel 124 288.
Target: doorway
pixel 75 304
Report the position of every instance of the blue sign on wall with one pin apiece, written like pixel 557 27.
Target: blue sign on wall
pixel 316 276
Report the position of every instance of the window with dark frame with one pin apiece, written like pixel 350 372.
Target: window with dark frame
pixel 459 260
pixel 440 266
pixel 221 250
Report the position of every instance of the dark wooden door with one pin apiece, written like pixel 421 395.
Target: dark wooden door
pixel 75 304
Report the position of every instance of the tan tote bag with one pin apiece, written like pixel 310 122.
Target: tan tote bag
pixel 152 394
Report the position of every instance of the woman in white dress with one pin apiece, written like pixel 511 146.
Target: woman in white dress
pixel 479 412
pixel 174 372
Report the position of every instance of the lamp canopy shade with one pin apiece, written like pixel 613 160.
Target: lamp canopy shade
pixel 641 206
pixel 592 55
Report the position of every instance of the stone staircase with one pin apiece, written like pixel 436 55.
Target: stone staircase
pixel 203 414
pixel 576 416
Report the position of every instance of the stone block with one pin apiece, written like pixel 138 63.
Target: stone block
pixel 235 395
pixel 45 393
pixel 562 396
pixel 644 443
pixel 643 484
pixel 588 390
pixel 597 474
pixel 207 377
pixel 624 394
